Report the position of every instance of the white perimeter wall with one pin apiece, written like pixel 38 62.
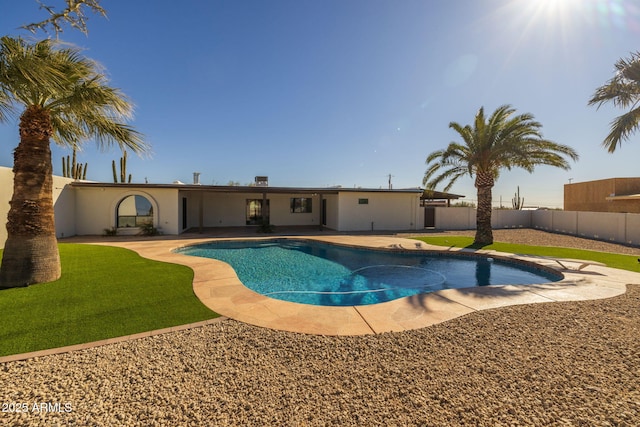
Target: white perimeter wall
pixel 615 227
pixel 385 211
pixel 455 218
pixel 463 218
pixel 611 226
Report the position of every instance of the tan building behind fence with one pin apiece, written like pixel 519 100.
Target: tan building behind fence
pixel 604 195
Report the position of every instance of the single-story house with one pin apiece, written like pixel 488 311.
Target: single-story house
pixel 88 208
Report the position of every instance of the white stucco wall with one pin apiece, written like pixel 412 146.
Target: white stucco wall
pixel 281 210
pixel 64 205
pixel 224 210
pixel 96 208
pixel 385 211
pixel 6 190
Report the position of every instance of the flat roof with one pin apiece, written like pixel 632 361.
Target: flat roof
pixel 245 188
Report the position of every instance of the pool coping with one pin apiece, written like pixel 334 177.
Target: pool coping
pixel 216 284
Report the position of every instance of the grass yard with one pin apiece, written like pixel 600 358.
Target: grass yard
pixel 104 292
pixel 623 262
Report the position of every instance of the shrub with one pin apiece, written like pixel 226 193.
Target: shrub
pixel 111 231
pixel 147 229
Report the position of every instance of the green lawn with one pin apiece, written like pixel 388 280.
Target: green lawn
pixel 104 292
pixel 624 262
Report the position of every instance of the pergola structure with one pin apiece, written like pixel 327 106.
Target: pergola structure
pixel 437 198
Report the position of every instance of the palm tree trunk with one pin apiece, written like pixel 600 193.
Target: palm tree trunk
pixel 484 184
pixel 31 250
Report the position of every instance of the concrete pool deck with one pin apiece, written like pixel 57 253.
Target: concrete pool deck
pixel 216 284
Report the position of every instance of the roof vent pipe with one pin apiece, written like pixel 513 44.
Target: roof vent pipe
pixel 196 178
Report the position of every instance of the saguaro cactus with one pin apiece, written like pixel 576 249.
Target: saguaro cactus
pixel 517 201
pixel 72 169
pixel 123 169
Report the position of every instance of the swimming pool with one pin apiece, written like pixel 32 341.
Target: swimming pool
pixel 319 273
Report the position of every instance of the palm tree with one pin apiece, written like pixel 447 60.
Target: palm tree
pixel 503 141
pixel 59 95
pixel 623 90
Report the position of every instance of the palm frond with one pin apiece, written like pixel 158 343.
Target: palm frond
pixel 623 91
pixel 621 94
pixel 621 129
pixel 6 107
pixel 72 88
pixel 29 73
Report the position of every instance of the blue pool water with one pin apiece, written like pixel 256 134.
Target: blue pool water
pixel 324 274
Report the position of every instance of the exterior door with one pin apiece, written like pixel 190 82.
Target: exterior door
pixel 429 216
pixel 184 213
pixel 256 215
pixel 324 211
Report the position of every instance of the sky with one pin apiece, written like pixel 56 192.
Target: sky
pixel 317 93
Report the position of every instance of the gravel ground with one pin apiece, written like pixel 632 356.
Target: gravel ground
pixel 558 364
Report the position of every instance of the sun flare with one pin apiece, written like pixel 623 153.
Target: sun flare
pixel 553 8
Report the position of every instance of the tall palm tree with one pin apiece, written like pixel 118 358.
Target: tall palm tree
pixel 62 96
pixel 502 141
pixel 623 90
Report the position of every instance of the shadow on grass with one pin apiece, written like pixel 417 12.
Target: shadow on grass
pixel 476 246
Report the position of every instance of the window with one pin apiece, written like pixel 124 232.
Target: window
pixel 363 201
pixel 300 205
pixel 134 211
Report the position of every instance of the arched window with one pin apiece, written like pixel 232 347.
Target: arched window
pixel 134 211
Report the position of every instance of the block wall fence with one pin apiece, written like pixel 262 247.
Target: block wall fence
pixel 608 226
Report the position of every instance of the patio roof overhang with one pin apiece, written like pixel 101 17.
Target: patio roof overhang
pixel 435 195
